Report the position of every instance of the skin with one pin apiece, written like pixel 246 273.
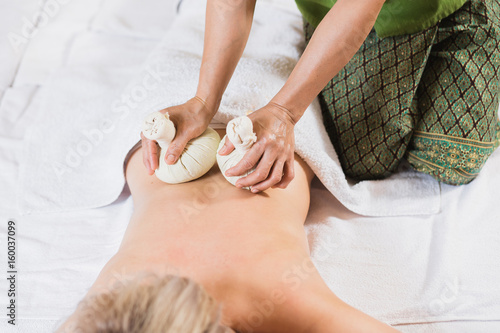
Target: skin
pixel 249 251
pixel 228 23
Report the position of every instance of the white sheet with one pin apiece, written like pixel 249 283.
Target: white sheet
pixel 452 254
pixel 422 269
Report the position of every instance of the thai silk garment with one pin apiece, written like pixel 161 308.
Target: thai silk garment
pixel 430 97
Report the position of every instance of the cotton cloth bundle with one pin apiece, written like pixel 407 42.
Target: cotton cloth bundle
pixel 196 159
pixel 240 132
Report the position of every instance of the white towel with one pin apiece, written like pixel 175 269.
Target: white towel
pixel 414 269
pixel 86 124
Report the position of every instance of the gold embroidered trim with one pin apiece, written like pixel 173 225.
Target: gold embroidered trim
pixel 462 173
pixel 454 139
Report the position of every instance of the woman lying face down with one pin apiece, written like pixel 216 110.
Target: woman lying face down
pixel 204 256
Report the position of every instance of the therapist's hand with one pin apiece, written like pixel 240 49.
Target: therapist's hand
pixel 191 119
pixel 273 153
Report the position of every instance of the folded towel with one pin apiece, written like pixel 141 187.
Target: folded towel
pixel 87 123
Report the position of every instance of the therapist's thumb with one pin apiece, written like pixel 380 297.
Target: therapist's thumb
pixel 227 147
pixel 175 149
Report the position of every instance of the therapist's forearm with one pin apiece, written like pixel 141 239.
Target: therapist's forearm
pixel 227 27
pixel 335 41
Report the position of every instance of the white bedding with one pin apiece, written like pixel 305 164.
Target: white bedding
pixel 435 273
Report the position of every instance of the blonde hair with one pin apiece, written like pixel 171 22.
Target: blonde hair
pixel 151 304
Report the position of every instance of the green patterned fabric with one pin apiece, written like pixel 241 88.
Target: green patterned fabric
pixel 397 17
pixel 430 97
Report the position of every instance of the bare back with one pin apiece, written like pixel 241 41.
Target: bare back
pixel 219 235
